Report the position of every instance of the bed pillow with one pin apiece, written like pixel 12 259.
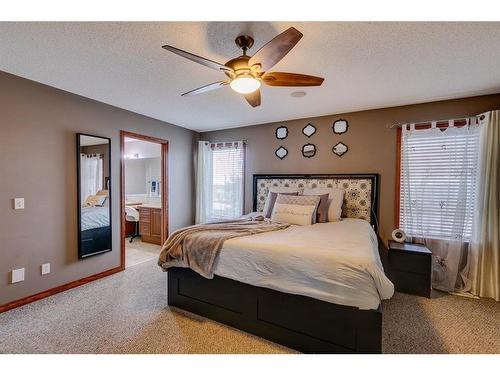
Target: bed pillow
pixel 272 196
pixel 268 206
pixel 295 209
pixel 335 201
pixel 94 200
pixel 322 210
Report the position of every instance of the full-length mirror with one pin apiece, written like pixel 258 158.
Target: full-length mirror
pixel 94 200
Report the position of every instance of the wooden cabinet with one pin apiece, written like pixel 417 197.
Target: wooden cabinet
pixel 410 268
pixel 150 224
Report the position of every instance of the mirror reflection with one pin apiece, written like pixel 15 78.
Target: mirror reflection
pixel 94 206
pixel 308 150
pixel 282 132
pixel 340 126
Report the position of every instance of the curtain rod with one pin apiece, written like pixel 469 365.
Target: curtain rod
pixel 462 118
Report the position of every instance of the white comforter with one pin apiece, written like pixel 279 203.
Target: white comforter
pixel 94 217
pixel 335 262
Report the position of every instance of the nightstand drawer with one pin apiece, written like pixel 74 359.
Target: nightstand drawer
pixel 413 283
pixel 415 263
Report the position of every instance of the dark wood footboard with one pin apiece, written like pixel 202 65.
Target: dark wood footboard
pixel 301 323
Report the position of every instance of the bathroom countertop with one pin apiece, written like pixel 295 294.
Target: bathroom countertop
pixel 151 205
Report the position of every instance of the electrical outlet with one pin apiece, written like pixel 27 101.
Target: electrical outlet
pixel 45 268
pixel 18 203
pixel 17 275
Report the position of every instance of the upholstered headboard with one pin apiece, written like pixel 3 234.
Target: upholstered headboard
pixel 360 190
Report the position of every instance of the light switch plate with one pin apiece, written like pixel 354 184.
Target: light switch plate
pixel 45 268
pixel 18 203
pixel 17 275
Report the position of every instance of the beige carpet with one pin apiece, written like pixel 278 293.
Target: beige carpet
pixel 127 313
pixel 137 252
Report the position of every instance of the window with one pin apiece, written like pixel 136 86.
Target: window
pixel 438 181
pixel 220 181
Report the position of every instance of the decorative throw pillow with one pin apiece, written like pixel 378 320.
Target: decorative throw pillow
pixel 94 200
pixel 268 206
pixel 300 210
pixel 322 211
pixel 272 196
pixel 335 201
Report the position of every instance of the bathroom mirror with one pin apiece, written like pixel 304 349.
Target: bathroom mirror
pixel 340 126
pixel 94 200
pixel 308 150
pixel 281 132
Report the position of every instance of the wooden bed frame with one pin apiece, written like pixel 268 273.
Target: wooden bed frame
pixel 301 323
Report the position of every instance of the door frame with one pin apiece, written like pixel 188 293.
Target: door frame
pixel 164 186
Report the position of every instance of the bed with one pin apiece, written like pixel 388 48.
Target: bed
pixel 95 230
pixel 316 289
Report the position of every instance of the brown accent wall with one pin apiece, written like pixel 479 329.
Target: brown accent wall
pixel 38 162
pixel 372 146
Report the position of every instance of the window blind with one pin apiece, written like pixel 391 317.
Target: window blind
pixel 438 182
pixel 227 180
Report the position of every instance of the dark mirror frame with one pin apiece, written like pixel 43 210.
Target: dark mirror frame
pixel 82 254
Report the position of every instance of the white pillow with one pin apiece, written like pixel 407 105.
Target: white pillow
pixel 295 209
pixel 278 190
pixel 335 201
pixel 94 200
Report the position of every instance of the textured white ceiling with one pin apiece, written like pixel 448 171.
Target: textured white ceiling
pixel 365 65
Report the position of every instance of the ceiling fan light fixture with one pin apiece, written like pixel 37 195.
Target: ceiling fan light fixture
pixel 245 84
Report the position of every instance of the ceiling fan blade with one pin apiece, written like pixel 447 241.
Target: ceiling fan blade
pixel 253 98
pixel 290 79
pixel 198 59
pixel 276 49
pixel 209 87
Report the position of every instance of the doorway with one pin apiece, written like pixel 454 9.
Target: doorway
pixel 144 197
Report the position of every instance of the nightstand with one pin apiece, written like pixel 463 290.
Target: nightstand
pixel 410 268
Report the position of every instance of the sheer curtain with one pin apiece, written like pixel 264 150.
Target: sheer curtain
pixel 219 181
pixel 91 174
pixel 204 178
pixel 438 193
pixel 485 249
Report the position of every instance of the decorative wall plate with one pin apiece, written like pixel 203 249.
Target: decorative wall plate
pixel 281 132
pixel 309 130
pixel 340 126
pixel 281 152
pixel 308 150
pixel 340 149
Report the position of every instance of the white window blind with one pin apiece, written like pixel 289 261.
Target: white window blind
pixel 227 189
pixel 439 182
pixel 220 181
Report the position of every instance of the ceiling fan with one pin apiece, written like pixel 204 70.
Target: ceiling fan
pixel 247 73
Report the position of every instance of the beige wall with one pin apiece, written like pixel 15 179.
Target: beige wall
pixel 372 146
pixel 38 162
